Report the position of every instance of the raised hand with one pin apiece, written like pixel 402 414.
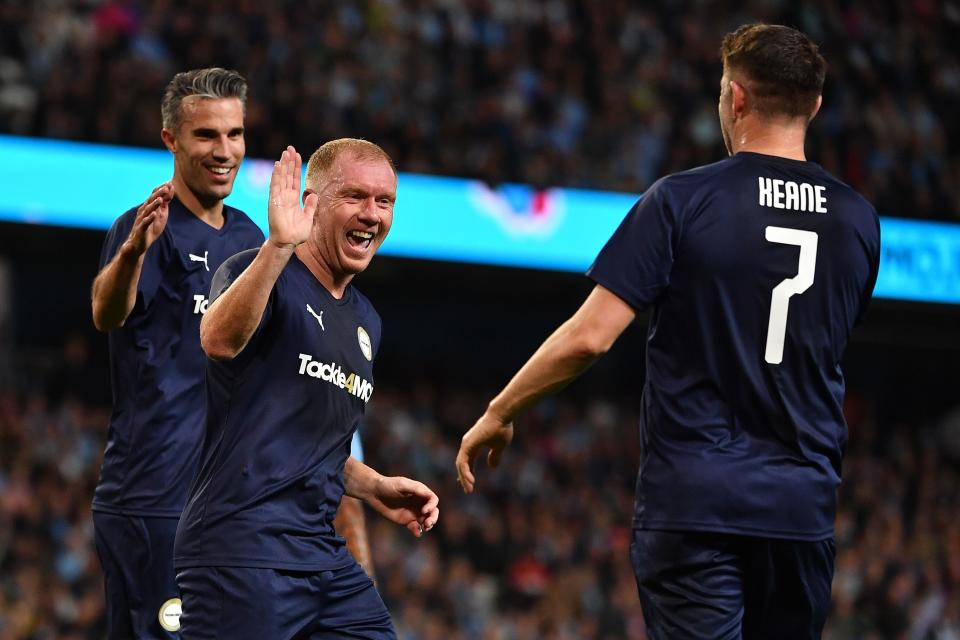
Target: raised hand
pixel 150 221
pixel 488 431
pixel 290 223
pixel 405 502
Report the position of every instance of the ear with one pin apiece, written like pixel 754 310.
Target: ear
pixel 816 108
pixel 169 141
pixel 738 100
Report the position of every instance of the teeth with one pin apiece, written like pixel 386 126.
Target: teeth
pixel 363 235
pixel 220 170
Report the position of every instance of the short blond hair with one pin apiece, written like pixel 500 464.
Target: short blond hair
pixel 323 158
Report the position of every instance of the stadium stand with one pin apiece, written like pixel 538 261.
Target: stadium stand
pixel 488 572
pixel 606 95
pixel 595 94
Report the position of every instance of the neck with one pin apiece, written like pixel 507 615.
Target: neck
pixel 783 140
pixel 211 213
pixel 334 283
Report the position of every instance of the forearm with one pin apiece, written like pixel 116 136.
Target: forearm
pixel 114 291
pixel 558 361
pixel 230 321
pixel 350 522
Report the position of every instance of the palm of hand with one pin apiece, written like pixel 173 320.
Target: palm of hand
pixel 289 222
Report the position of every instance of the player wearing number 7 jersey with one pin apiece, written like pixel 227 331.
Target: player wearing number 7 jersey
pixel 756 269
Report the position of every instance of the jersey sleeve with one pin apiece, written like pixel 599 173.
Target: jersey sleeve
pixel 154 261
pixel 636 262
pixel 227 273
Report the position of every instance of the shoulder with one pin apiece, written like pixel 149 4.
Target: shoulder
pixel 365 312
pixel 362 304
pixel 235 264
pixel 705 175
pixel 678 188
pixel 125 220
pixel 242 221
pixel 854 197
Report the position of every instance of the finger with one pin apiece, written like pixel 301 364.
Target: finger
pixel 431 503
pixel 161 215
pixel 494 457
pixel 297 172
pixel 163 191
pixel 464 473
pixel 145 222
pixel 144 218
pixel 274 183
pixel 431 520
pixel 415 528
pixel 147 207
pixel 291 160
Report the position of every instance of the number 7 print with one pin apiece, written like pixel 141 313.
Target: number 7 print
pixel 780 298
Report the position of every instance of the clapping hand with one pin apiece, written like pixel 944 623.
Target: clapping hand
pixel 150 221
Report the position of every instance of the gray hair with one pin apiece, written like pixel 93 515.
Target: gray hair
pixel 211 83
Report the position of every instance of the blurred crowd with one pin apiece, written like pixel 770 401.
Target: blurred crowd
pixel 539 553
pixel 604 95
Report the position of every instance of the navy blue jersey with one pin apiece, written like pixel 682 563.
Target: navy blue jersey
pixel 281 418
pixel 757 269
pixel 157 367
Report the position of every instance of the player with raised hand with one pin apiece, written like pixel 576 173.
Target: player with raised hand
pixel 291 344
pixel 156 267
pixel 115 290
pixel 756 269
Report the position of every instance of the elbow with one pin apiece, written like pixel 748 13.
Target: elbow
pixel 217 349
pixel 215 345
pixel 101 321
pixel 589 345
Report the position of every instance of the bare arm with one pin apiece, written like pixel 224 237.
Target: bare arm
pixel 230 321
pixel 401 500
pixel 350 522
pixel 114 291
pixel 567 353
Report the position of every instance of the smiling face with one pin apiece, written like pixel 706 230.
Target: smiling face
pixel 355 213
pixel 208 146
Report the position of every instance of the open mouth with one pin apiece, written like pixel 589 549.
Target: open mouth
pixel 360 239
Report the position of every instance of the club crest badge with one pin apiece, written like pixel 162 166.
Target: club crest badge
pixel 365 345
pixel 170 614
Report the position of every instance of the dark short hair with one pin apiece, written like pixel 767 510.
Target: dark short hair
pixel 784 68
pixel 211 83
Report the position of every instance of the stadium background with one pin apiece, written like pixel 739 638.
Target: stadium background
pixel 601 95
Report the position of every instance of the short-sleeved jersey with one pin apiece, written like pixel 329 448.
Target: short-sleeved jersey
pixel 756 268
pixel 280 423
pixel 157 367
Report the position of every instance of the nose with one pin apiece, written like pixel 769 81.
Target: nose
pixel 220 147
pixel 369 212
